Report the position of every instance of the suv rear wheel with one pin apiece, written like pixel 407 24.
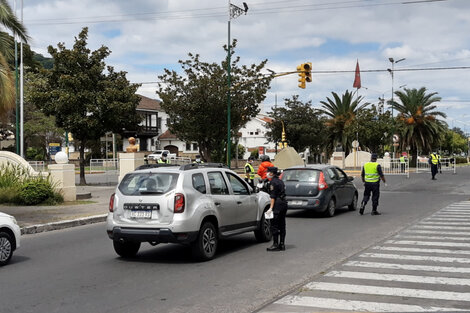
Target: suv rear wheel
pixel 205 246
pixel 331 208
pixel 263 233
pixel 126 249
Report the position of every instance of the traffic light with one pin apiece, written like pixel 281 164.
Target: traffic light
pixel 302 76
pixel 307 68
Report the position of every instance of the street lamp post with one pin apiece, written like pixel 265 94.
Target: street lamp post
pixel 233 12
pixel 391 73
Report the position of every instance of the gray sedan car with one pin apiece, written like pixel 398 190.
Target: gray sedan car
pixel 322 188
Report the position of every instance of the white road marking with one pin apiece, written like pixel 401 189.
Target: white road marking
pixel 429 243
pixel 401 278
pixel 363 306
pixel 390 291
pixel 421 250
pixel 460 233
pixel 415 258
pixel 409 267
pixel 443 223
pixel 431 237
pixel 442 227
pixel 445 219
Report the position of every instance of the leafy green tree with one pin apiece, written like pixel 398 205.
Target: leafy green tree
pixel 303 125
pixel 372 129
pixel 196 101
pixel 9 22
pixel 85 100
pixel 341 113
pixel 454 141
pixel 417 119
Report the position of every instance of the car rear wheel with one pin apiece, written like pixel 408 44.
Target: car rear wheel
pixel 331 208
pixel 126 249
pixel 6 248
pixel 205 246
pixel 263 233
pixel 353 204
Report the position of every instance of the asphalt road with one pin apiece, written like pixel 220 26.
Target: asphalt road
pixel 77 270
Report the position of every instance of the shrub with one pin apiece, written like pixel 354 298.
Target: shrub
pixel 9 194
pixel 35 191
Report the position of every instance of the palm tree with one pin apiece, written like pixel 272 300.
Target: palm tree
pixel 417 119
pixel 8 21
pixel 341 115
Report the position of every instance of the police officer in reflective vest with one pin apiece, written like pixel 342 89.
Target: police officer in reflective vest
pixel 434 162
pixel 277 192
pixel 371 175
pixel 402 163
pixel 250 172
pixel 198 159
pixel 163 159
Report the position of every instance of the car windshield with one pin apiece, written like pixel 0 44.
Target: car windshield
pixel 148 183
pixel 300 175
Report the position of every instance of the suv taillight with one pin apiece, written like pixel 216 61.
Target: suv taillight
pixel 321 182
pixel 179 203
pixel 111 203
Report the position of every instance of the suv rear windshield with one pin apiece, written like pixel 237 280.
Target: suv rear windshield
pixel 148 183
pixel 301 175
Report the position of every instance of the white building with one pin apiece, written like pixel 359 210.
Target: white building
pixel 154 133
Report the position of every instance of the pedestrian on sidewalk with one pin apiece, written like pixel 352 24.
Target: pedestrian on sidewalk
pixel 279 208
pixel 371 175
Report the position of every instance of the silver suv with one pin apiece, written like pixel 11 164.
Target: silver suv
pixel 193 204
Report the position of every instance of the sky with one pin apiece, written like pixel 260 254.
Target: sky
pixel 146 37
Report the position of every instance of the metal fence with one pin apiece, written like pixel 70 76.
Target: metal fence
pixel 103 165
pixel 447 165
pixel 394 167
pixel 38 166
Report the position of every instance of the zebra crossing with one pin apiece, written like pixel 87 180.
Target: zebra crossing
pixel 424 268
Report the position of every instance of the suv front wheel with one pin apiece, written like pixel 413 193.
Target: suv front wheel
pixel 126 249
pixel 205 246
pixel 263 233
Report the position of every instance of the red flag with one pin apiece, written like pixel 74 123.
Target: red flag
pixel 357 77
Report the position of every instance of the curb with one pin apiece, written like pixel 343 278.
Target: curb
pixel 34 229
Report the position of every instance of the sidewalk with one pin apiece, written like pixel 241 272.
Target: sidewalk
pixel 35 219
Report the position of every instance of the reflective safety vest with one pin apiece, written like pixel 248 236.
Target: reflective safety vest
pixel 163 162
pixel 402 159
pixel 251 174
pixel 371 172
pixel 434 159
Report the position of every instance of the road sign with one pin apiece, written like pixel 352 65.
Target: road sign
pixel 54 148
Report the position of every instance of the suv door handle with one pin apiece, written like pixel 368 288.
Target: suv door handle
pixel 239 202
pixel 217 203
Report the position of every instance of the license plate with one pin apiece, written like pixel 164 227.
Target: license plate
pixel 141 214
pixel 295 202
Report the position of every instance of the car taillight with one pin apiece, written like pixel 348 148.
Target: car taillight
pixel 280 176
pixel 321 182
pixel 179 203
pixel 111 203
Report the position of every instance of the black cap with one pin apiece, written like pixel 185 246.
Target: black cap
pixel 164 154
pixel 198 156
pixel 373 156
pixel 272 169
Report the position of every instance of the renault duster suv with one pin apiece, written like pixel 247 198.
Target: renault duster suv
pixel 193 204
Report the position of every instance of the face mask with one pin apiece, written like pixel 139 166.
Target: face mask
pixel 198 160
pixel 269 175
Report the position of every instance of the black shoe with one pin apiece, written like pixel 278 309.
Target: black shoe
pixel 434 178
pixel 274 247
pixel 375 213
pixel 361 210
pixel 282 247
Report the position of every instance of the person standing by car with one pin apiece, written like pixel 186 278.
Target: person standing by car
pixel 263 167
pixel 198 159
pixel 164 159
pixel 371 175
pixel 278 206
pixel 250 172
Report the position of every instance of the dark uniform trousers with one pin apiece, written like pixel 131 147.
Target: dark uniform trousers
pixel 373 188
pixel 278 223
pixel 434 168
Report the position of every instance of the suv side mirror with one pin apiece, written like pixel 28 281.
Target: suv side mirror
pixel 350 178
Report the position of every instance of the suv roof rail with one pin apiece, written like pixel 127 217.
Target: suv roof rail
pixel 154 165
pixel 201 165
